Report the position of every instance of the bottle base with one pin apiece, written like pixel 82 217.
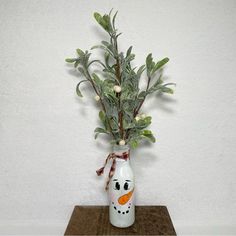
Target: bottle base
pixel 122 225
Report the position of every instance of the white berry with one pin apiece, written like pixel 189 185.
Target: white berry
pixel 137 118
pixel 97 98
pixel 122 142
pixel 117 89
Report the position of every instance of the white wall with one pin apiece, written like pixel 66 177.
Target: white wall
pixel 48 156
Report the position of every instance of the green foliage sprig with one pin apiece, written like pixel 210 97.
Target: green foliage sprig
pixel 117 88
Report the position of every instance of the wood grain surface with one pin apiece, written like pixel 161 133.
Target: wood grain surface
pixel 94 220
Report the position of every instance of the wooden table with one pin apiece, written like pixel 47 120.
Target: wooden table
pixel 94 220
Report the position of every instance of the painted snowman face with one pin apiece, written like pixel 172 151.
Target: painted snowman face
pixel 121 195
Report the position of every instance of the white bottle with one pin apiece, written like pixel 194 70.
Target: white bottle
pixel 121 191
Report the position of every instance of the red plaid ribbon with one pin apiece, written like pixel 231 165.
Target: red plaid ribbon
pixel 113 156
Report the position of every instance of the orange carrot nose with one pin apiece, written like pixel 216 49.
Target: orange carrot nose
pixel 125 198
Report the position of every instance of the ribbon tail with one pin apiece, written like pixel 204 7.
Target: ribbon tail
pixel 111 173
pixel 107 185
pixel 100 171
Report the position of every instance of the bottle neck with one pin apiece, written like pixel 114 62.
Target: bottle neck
pixel 121 150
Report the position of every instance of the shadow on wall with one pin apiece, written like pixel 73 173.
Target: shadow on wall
pixel 162 101
pixel 144 156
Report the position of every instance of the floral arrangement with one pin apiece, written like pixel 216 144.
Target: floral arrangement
pixel 117 89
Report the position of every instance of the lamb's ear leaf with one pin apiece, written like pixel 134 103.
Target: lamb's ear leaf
pixel 167 90
pixel 161 63
pixel 113 20
pixel 134 143
pixel 149 135
pixel 102 20
pixel 80 52
pixel 102 116
pixel 98 131
pixel 98 82
pixel 129 51
pixel 140 71
pixel 149 64
pixel 78 89
pixel 70 60
pixel 97 17
pixel 149 60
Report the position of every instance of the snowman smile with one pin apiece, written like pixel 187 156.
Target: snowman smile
pixel 121 211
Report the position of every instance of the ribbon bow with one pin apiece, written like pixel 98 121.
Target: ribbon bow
pixel 113 156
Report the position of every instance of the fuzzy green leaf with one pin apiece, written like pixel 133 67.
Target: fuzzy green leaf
pixel 113 21
pixel 149 64
pixel 71 60
pixel 78 89
pixel 148 134
pixel 96 78
pixel 128 125
pixel 97 17
pixel 102 116
pixel 140 71
pixel 167 90
pixel 98 82
pixel 80 52
pixel 159 64
pixel 134 143
pixel 143 123
pixel 142 95
pixel 104 21
pixel 98 131
pixel 129 51
pixel 149 59
pixel 98 46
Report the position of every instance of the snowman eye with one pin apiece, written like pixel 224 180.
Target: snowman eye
pixel 117 186
pixel 126 186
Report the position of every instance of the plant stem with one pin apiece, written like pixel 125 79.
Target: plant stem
pixel 102 103
pixel 118 75
pixel 136 111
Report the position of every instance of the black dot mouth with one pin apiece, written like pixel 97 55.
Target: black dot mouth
pixel 121 212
